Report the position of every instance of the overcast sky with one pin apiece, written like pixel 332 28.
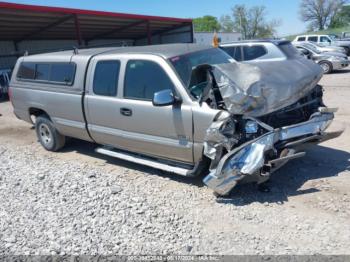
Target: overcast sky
pixel 284 10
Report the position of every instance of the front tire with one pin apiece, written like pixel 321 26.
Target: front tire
pixel 326 66
pixel 48 135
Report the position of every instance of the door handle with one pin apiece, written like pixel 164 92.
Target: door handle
pixel 126 111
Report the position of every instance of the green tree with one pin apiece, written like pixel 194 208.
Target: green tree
pixel 226 23
pixel 320 14
pixel 342 18
pixel 206 23
pixel 251 22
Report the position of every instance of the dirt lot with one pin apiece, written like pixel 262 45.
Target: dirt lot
pixel 79 202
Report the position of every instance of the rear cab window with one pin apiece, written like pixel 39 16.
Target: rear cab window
pixel 106 76
pixel 50 73
pixel 301 39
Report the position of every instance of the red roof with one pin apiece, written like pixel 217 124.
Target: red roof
pixel 21 22
pixel 49 9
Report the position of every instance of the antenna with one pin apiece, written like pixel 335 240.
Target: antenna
pixel 75 50
pixel 26 53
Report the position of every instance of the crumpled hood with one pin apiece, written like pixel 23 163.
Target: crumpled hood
pixel 265 87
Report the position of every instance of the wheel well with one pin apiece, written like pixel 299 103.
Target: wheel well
pixel 37 112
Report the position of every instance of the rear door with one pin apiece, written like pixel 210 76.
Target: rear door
pixel 120 110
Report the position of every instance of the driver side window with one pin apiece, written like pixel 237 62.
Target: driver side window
pixel 144 78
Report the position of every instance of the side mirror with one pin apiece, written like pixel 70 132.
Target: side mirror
pixel 165 98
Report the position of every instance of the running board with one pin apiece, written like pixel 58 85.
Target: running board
pixel 143 161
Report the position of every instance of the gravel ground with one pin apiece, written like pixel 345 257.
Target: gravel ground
pixel 78 202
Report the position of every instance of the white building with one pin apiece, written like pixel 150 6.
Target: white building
pixel 206 38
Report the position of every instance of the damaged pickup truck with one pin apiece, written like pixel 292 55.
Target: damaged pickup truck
pixel 183 108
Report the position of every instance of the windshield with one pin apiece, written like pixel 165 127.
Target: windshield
pixel 184 64
pixel 312 47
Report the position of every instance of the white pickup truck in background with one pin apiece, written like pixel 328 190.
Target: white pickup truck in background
pixel 325 40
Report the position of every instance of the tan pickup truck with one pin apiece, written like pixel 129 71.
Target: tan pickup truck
pixel 183 108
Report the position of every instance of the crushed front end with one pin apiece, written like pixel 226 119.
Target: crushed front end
pixel 259 128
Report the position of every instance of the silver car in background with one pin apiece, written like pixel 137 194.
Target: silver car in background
pixel 324 40
pixel 258 51
pixel 330 48
pixel 329 61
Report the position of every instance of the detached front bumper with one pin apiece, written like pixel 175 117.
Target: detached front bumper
pixel 254 158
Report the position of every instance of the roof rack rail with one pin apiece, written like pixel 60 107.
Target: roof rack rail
pixel 74 48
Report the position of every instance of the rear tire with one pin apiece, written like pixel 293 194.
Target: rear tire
pixel 48 135
pixel 326 66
